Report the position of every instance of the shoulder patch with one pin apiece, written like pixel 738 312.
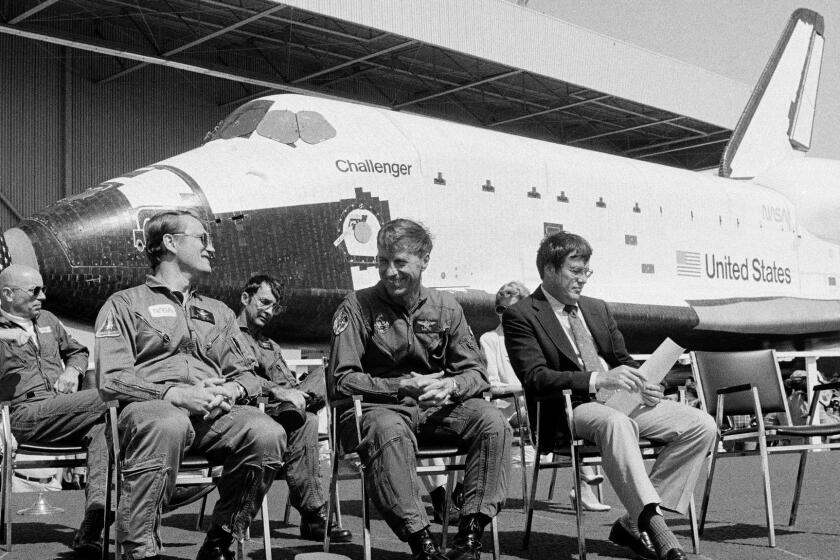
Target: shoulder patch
pixel 109 327
pixel 340 322
pixel 45 330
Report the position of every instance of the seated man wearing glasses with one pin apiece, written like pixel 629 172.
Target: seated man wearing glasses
pixel 259 303
pixel 558 339
pixel 178 364
pixel 40 365
pixel 409 352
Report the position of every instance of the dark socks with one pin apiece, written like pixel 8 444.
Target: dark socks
pixel 652 522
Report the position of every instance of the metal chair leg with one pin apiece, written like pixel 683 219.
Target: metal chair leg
pixel 529 517
pixel 704 505
pixel 266 527
pixel 768 499
pixel 797 491
pixel 692 520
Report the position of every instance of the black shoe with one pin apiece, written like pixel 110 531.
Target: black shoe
pixel 87 541
pixel 467 543
pixel 675 554
pixel 216 545
pixel 438 496
pixel 640 545
pixel 312 528
pixel 424 547
pixel 214 553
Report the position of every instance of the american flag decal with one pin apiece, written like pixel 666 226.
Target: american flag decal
pixel 688 264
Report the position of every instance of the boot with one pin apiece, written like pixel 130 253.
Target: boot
pixel 467 543
pixel 424 547
pixel 87 542
pixel 438 496
pixel 313 525
pixel 216 545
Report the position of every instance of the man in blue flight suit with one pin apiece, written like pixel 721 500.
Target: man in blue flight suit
pixel 40 364
pixel 259 302
pixel 409 352
pixel 177 363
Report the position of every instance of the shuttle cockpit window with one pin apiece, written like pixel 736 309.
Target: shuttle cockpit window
pixel 242 122
pixel 289 127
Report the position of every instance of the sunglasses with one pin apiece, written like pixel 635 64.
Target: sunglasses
pixel 33 292
pixel 205 238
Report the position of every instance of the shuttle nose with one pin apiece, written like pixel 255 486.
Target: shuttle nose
pixel 16 247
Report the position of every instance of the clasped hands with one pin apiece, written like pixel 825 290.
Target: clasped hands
pixel 210 397
pixel 431 389
pixel 630 379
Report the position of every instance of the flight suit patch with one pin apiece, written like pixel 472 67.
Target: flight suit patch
pixel 162 310
pixel 108 328
pixel 381 324
pixel 265 344
pixel 202 315
pixel 426 326
pixel 45 330
pixel 340 322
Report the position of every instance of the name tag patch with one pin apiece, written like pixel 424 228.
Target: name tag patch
pixel 45 330
pixel 162 310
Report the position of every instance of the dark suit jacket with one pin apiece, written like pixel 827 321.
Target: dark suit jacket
pixel 546 362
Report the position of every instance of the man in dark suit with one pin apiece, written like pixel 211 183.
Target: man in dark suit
pixel 558 339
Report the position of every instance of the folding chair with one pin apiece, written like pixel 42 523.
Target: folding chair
pixel 191 463
pixel 447 453
pixel 732 383
pixel 580 452
pixel 42 456
pixel 521 436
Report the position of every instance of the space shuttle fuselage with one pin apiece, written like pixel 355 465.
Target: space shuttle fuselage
pixel 298 187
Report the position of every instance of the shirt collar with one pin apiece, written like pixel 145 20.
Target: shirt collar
pixel 27 324
pixel 155 284
pixel 383 295
pixel 556 305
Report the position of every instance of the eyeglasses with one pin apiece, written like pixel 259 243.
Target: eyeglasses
pixel 581 272
pixel 205 238
pixel 263 303
pixel 501 309
pixel 34 293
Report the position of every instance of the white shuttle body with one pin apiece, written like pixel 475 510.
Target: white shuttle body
pixel 298 187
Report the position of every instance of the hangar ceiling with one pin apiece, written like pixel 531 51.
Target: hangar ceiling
pixel 268 47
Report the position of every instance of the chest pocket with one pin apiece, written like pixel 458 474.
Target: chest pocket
pixel 435 341
pixel 154 331
pixel 47 343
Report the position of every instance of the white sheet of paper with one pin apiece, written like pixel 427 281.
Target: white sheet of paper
pixel 654 370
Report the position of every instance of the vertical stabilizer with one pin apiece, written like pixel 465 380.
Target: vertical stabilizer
pixel 779 117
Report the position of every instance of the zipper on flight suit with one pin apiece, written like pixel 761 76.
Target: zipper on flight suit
pixel 163 336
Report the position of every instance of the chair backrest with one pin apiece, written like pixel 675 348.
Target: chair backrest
pixel 716 370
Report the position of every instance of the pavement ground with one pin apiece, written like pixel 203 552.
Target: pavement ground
pixel 735 527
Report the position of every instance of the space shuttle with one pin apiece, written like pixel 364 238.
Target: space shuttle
pixel 298 187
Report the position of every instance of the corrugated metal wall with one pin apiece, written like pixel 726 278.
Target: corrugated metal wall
pixel 61 133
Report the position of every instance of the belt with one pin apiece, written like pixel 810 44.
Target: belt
pixel 34 478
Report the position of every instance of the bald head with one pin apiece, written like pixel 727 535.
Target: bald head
pixel 19 274
pixel 21 291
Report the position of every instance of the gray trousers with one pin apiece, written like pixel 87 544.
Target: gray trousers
pixel 155 436
pixel 390 436
pixel 688 433
pixel 71 419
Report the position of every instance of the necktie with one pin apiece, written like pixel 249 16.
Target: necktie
pixel 586 347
